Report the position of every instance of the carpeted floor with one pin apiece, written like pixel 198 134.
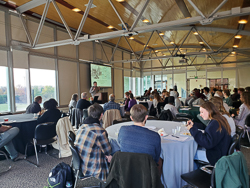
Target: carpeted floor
pixel 25 175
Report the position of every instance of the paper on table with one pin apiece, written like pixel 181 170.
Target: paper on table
pixel 181 138
pixel 185 108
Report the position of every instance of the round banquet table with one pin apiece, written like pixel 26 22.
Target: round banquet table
pixel 26 124
pixel 178 156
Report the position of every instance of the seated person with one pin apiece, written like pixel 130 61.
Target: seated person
pixel 131 102
pixel 52 114
pixel 126 100
pixel 92 144
pixel 171 107
pixel 216 138
pixel 220 94
pixel 136 138
pixel 73 102
pixel 7 133
pixel 166 97
pixel 83 103
pixel 218 103
pixel 35 106
pixel 112 105
pixel 244 110
pixel 177 101
pixel 235 96
pixel 227 99
pixel 206 93
pixel 157 99
pixel 190 98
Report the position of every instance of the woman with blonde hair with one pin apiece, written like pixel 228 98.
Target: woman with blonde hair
pixel 216 138
pixel 244 109
pixel 157 99
pixel 218 103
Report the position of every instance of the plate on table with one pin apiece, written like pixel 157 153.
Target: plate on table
pixel 186 134
pixel 150 127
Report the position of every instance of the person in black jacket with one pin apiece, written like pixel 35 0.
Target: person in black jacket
pixel 35 106
pixel 83 103
pixel 52 114
pixel 216 138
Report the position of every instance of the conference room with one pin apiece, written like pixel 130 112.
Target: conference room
pixel 120 58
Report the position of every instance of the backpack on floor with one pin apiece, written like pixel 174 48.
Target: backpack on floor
pixel 60 175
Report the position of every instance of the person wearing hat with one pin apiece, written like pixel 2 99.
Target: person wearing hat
pixel 171 107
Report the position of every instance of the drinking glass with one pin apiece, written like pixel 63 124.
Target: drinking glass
pixel 178 128
pixel 174 131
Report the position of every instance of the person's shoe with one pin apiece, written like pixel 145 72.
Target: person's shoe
pixel 17 158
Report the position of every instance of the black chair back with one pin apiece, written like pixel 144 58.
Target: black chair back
pixel 45 131
pixel 160 106
pixel 236 104
pixel 234 143
pixel 152 111
pixel 76 161
pixel 72 136
pixel 85 114
pixel 144 104
pixel 166 115
pixel 240 132
pixel 247 120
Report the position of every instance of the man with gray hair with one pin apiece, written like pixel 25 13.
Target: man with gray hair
pixel 111 104
pixel 83 103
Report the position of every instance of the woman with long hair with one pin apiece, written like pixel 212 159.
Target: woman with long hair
pixel 218 103
pixel 216 138
pixel 244 109
pixel 157 99
pixel 73 101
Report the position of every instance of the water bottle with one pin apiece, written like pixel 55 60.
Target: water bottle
pixel 69 184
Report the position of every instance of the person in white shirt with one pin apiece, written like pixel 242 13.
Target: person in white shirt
pixel 177 101
pixel 218 103
pixel 171 107
pixel 206 93
pixel 157 99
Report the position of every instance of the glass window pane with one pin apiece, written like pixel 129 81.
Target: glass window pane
pixel 157 82
pixel 180 81
pixel 42 85
pixel 126 84
pixel 4 105
pixel 230 75
pixel 21 88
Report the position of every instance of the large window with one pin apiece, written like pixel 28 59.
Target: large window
pixel 21 84
pixel 43 83
pixel 4 106
pixel 127 85
pixel 157 82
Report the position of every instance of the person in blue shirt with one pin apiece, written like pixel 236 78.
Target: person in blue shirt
pixel 138 139
pixel 112 105
pixel 216 138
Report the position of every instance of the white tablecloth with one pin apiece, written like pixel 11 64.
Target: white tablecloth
pixel 149 103
pixel 178 157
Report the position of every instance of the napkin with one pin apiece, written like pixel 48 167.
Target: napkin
pixel 161 132
pixel 181 138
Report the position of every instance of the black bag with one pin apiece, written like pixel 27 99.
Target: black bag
pixel 152 111
pixel 59 175
pixel 166 115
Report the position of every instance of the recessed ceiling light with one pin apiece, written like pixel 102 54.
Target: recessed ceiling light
pixel 195 33
pixel 242 21
pixel 238 36
pixel 12 2
pixel 233 52
pixel 76 9
pixel 110 27
pixel 235 46
pixel 201 42
pixel 172 42
pixel 120 1
pixel 161 34
pixel 204 49
pixel 92 6
pixel 145 45
pixel 131 38
pixel 145 20
pixel 164 54
pixel 184 52
pixel 156 51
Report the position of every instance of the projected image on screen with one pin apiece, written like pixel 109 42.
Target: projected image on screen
pixel 101 74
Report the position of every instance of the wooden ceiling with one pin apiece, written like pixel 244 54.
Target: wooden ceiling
pixel 157 11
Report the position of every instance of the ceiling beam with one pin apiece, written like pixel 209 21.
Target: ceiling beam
pixel 144 29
